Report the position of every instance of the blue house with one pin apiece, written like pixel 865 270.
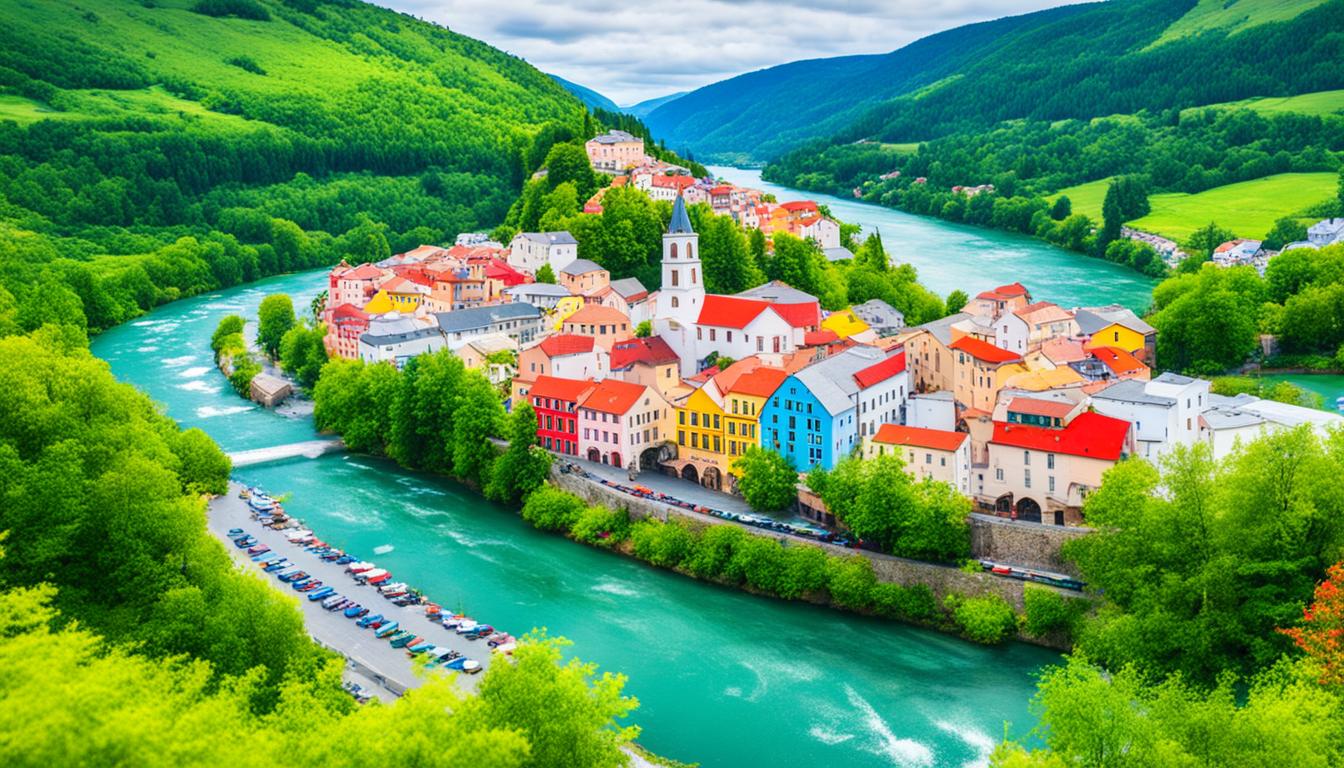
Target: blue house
pixel 811 419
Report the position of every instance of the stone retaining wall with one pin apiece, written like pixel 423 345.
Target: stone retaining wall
pixel 1026 544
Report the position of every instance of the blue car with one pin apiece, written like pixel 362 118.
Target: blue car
pixel 301 583
pixel 355 611
pixel 367 620
pixel 319 594
pixel 278 565
pixel 236 532
pixel 295 576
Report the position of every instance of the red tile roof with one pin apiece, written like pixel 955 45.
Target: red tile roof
pixel 569 390
pixel 729 311
pixel 880 372
pixel 1118 360
pixel 676 182
pixel 1090 435
pixel 566 344
pixel 613 396
pixel 1004 292
pixel 596 314
pixel 937 439
pixel 348 311
pixel 983 350
pixel 804 315
pixel 362 272
pixel 1035 407
pixel 652 351
pixel 761 382
pixel 817 338
pixel 498 269
pixel 722 189
pixel 799 205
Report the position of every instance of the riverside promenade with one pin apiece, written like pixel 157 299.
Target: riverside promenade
pixel 367 657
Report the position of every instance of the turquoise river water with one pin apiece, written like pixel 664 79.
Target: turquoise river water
pixel 723 678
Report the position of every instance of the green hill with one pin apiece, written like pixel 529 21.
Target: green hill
pixel 171 146
pixel 588 96
pixel 1075 62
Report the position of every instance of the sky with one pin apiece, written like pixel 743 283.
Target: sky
pixel 635 50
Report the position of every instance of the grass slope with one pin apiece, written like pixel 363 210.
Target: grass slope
pixel 1249 208
pixel 1234 16
pixel 1318 103
pixel 1085 198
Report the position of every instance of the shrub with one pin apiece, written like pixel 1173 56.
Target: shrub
pixel 804 571
pixel 761 562
pixel 984 618
pixel 244 369
pixel 243 9
pixel 1048 611
pixel 600 526
pixel 915 603
pixel 714 552
pixel 232 325
pixel 246 63
pixel 552 509
pixel 662 544
pixel 851 582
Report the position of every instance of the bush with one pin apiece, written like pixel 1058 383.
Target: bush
pixel 985 619
pixel 244 369
pixel 243 9
pixel 915 603
pixel 246 63
pixel 804 572
pixel 663 544
pixel 714 552
pixel 1047 611
pixel 761 562
pixel 231 325
pixel 851 582
pixel 552 509
pixel 599 526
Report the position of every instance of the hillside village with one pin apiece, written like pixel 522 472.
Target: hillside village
pixel 1019 404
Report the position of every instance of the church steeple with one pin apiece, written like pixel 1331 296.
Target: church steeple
pixel 683 290
pixel 681 221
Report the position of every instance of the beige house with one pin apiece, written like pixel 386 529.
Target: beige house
pixel 270 390
pixel 928 356
pixel 933 453
pixel 1042 474
pixel 583 277
pixel 980 370
pixel 605 325
pixel 615 151
pixel 993 303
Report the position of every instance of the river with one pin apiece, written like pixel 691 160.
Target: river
pixel 952 256
pixel 723 678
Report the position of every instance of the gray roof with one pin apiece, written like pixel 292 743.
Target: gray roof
pixel 394 337
pixel 628 286
pixel 479 317
pixel 942 329
pixel 581 267
pixel 879 311
pixel 613 136
pixel 778 292
pixel 550 238
pixel 1131 391
pixel 1230 418
pixel 942 394
pixel 537 289
pixel 838 253
pixel 1093 319
pixel 1174 378
pixel 681 221
pixel 832 382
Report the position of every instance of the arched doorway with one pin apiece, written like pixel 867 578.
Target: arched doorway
pixel 1004 504
pixel 1028 510
pixel 594 454
pixel 648 458
pixel 616 459
pixel 712 479
pixel 688 472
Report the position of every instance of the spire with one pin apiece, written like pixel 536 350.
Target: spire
pixel 681 222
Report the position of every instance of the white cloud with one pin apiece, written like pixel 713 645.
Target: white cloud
pixel 630 51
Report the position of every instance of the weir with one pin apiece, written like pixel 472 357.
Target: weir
pixel 309 449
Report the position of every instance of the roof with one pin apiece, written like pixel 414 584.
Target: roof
pixel 498 269
pixel 1043 379
pixel 1008 291
pixel 832 381
pixel 1043 312
pixel 983 350
pixel 615 136
pixel 653 350
pixel 1061 351
pixel 550 238
pixel 729 311
pixel 677 182
pixel 1090 435
pixel 779 292
pixel 681 222
pixel 629 288
pixel 597 314
pixel 347 311
pixel 472 318
pixel 560 389
pixel 562 344
pixel 876 374
pixel 799 205
pixel 613 396
pixel 1035 407
pixel 1132 391
pixel 817 338
pixel 537 289
pixel 270 386
pixel 761 382
pixel 580 267
pixel 942 329
pixel 936 439
pixel 397 335
pixel 1118 360
pixel 362 272
pixel 1093 319
pixel 838 253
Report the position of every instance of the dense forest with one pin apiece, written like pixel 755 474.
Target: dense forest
pixel 150 151
pixel 1077 62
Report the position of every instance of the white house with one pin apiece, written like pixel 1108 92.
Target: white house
pixel 396 340
pixel 1240 419
pixel 529 250
pixel 883 388
pixel 932 410
pixel 942 455
pixel 824 232
pixel 1326 232
pixel 1165 411
pixel 520 322
pixel 540 295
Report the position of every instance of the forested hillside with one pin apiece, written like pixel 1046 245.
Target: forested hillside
pixel 592 99
pixel 1079 61
pixel 156 149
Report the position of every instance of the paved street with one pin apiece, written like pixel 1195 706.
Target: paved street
pixel 389 667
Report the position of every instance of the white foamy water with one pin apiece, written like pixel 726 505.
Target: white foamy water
pixel 906 753
pixel 828 736
pixel 174 362
pixel 211 411
pixel 974 738
pixel 147 348
pixel 383 549
pixel 616 588
pixel 198 385
pixel 195 372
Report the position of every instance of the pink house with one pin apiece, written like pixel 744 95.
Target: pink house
pixel 619 420
pixel 351 285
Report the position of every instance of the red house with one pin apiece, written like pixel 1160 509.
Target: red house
pixel 556 402
pixel 345 325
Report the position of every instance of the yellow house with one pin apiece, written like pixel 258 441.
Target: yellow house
pixel 1117 335
pixel 1115 326
pixel 844 324
pixel 380 304
pixel 567 306
pixel 742 409
pixel 700 444
pixel 404 295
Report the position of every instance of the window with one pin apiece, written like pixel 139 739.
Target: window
pixel 998 474
pixel 712 334
pixel 692 269
pixel 675 275
pixel 1026 478
pixel 690 250
pixel 1049 461
pixel 1026 458
pixel 730 337
pixel 942 461
pixel 699 333
pixel 928 458
pixel 760 343
pixel 695 440
pixel 674 301
pixel 674 250
pixel 681 417
pixel 1050 482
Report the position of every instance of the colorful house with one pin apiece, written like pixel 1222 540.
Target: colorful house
pixel 980 369
pixel 564 356
pixel 846 324
pixel 648 361
pixel 1116 326
pixel 556 402
pixel 619 422
pixel 700 443
pixel 935 454
pixel 606 325
pixel 743 402
pixel 345 324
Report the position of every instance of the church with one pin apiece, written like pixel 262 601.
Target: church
pixel 768 321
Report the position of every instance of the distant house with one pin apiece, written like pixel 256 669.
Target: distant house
pixel 556 402
pixel 565 356
pixel 1165 411
pixel 583 277
pixel 520 322
pixel 883 318
pixel 663 187
pixel 929 355
pixel 604 324
pixel 1031 326
pixel 1116 326
pixel 628 296
pixel 619 421
pixel 397 339
pixel 345 324
pixel 615 151
pixel 994 302
pixel 648 361
pixel 270 390
pixel 981 369
pixel 529 250
pixel 822 231
pixel 1327 232
pixel 540 295
pixel 940 455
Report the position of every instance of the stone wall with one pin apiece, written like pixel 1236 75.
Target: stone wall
pixel 1025 544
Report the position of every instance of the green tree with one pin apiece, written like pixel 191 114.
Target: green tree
pixel 1207 321
pixel 552 509
pixel 229 326
pixel 1203 240
pixel 521 469
pixel 303 353
pixel 767 480
pixel 644 329
pixel 275 317
pixel 1062 208
pixel 546 275
pixel 568 164
pixel 478 416
pixel 1285 230
pixel 727 265
pixel 956 301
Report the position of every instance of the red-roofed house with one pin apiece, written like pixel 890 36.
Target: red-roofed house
pixel 556 402
pixel 648 361
pixel 883 389
pixel 352 285
pixel 566 356
pixel 618 421
pixel 1121 364
pixel 1005 298
pixel 933 453
pixel 345 324
pixel 668 187
pixel 1042 474
pixel 979 369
